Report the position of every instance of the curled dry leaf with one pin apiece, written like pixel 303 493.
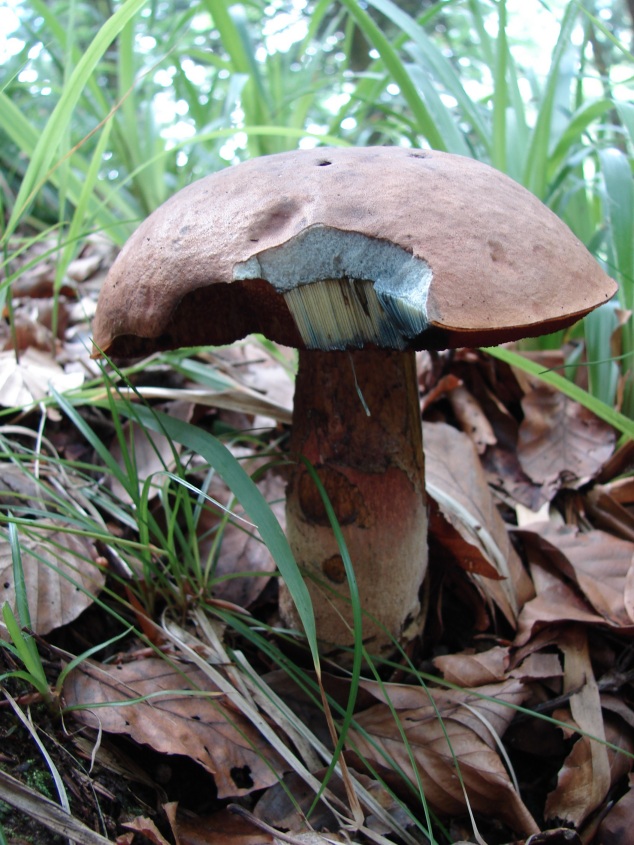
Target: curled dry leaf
pixel 473 421
pixel 561 443
pixel 455 481
pixel 601 565
pixel 470 669
pixel 146 827
pixel 60 571
pixel 204 727
pixel 584 779
pixel 608 513
pixel 576 793
pixel 466 740
pixel 555 603
pixel 474 669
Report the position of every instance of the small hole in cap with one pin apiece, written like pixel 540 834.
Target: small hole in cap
pixel 323 162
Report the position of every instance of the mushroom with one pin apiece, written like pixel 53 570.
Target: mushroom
pixel 356 257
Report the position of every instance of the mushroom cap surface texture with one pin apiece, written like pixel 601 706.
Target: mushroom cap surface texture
pixel 434 250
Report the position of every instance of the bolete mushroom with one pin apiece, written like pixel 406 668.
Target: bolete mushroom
pixel 357 257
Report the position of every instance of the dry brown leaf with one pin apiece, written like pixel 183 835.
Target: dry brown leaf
pixel 455 480
pixel 29 380
pixel 474 669
pixel 505 474
pixel 556 602
pixel 471 669
pixel 467 737
pixel 31 326
pixel 38 280
pixel 83 268
pixel 20 492
pixel 569 801
pixel 433 392
pixel 456 548
pixel 60 572
pixel 254 366
pixel 538 666
pixel 601 565
pixel 584 779
pixel 285 805
pixel 203 727
pixel 561 443
pixel 146 827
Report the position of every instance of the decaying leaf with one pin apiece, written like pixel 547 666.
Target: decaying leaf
pixel 204 727
pixel 584 779
pixel 608 513
pixel 21 493
pixel 255 367
pixel 561 443
pixel 556 602
pixel 600 564
pixel 475 669
pixel 146 827
pixel 456 482
pixel 446 731
pixel 60 571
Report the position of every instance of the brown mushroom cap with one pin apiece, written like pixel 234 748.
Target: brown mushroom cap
pixel 436 251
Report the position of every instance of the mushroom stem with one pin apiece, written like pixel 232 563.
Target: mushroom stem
pixel 372 469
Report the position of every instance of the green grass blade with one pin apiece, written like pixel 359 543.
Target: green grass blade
pixel 21 600
pixel 249 496
pixel 556 93
pixel 443 73
pixel 25 136
pixel 619 421
pixel 425 123
pixel 49 141
pixel 357 618
pixel 619 199
pixel 626 113
pixel 603 373
pixel 619 202
pixel 500 93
